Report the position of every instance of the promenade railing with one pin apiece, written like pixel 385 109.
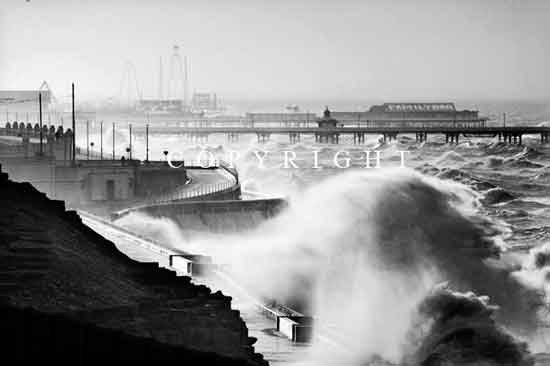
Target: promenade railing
pixel 187 192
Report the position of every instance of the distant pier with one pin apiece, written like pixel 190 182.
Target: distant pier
pixel 331 134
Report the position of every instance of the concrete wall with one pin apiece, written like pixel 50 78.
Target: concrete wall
pixel 98 182
pixel 74 185
pixel 152 181
pixel 222 215
pixel 87 182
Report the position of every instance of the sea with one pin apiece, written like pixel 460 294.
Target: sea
pixel 438 255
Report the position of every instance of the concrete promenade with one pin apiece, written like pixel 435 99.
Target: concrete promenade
pixel 276 348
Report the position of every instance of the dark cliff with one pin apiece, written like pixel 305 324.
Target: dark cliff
pixel 68 294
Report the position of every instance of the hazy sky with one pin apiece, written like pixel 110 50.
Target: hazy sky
pixel 379 49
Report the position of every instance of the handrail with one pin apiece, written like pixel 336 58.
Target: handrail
pixel 184 193
pixel 227 167
pixel 199 191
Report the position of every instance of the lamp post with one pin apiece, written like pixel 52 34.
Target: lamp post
pixel 130 148
pixel 74 124
pixel 101 140
pixel 113 141
pixel 40 118
pixel 88 139
pixel 147 143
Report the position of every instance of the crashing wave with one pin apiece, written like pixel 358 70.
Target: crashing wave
pixel 362 251
pixel 459 329
pixel 371 245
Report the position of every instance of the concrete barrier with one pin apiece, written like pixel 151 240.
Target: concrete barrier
pixel 296 328
pixel 292 324
pixel 191 264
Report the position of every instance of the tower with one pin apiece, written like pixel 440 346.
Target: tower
pixel 178 78
pixel 129 91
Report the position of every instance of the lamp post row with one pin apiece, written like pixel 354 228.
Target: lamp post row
pixel 88 143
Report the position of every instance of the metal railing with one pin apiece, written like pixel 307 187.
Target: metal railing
pixel 198 191
pixel 231 170
pixel 186 192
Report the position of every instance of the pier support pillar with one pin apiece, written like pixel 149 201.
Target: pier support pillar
pixel 452 137
pixel 294 137
pixel 358 137
pixel 263 137
pixel 232 137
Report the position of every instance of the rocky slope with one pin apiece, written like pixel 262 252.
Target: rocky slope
pixel 67 292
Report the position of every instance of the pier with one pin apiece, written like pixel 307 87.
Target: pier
pixel 422 132
pixel 200 133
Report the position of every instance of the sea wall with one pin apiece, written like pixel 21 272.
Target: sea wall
pixel 214 215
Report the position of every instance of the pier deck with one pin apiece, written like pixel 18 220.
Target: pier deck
pixel 350 129
pixel 511 134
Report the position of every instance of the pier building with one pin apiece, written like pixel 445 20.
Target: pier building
pixel 413 114
pixel 327 122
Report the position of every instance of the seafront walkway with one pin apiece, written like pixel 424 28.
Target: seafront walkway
pixel 276 348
